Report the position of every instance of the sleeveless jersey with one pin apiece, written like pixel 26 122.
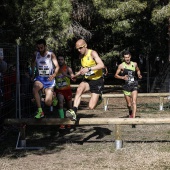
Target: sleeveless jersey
pixel 130 71
pixel 44 65
pixel 62 82
pixel 87 61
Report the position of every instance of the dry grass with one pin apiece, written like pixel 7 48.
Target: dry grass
pixel 146 147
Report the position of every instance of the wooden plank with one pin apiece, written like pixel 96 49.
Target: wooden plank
pixel 122 95
pixel 89 121
pixel 106 86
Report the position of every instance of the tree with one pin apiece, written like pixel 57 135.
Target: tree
pixel 30 20
pixel 161 14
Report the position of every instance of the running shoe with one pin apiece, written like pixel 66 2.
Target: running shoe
pixel 71 114
pixel 133 126
pixel 39 115
pixel 55 101
pixel 62 126
pixel 69 126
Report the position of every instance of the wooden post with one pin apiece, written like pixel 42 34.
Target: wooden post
pixel 22 140
pixel 105 103
pixel 161 104
pixel 118 140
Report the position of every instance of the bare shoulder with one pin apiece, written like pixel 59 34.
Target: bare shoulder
pixel 94 53
pixel 120 66
pixel 53 55
pixel 135 64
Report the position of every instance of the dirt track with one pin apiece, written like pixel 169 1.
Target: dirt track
pixel 145 147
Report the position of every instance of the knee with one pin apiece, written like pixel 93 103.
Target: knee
pixel 79 90
pixel 129 104
pixel 133 103
pixel 48 102
pixel 91 106
pixel 60 105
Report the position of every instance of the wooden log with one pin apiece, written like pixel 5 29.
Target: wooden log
pixel 89 121
pixel 106 86
pixel 122 95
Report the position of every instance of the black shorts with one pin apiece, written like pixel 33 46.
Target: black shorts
pixel 130 87
pixel 96 86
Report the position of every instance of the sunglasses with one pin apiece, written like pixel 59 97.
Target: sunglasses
pixel 80 47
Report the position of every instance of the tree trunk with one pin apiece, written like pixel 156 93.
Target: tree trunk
pixel 169 37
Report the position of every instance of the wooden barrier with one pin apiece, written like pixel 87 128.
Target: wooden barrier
pixel 21 142
pixel 105 86
pixel 88 121
pixel 107 96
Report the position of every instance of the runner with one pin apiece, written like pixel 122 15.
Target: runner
pixel 91 69
pixel 44 61
pixel 63 89
pixel 130 89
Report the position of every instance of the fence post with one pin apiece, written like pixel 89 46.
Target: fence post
pixel 118 140
pixel 161 102
pixel 21 142
pixel 106 100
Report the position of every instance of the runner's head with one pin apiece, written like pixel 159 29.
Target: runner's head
pixel 41 46
pixel 127 57
pixel 61 60
pixel 81 46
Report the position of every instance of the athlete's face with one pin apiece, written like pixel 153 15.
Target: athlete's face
pixel 41 48
pixel 81 47
pixel 61 61
pixel 127 58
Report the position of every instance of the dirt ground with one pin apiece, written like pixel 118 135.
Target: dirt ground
pixel 146 147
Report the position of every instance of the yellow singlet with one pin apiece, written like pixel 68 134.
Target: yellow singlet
pixel 87 61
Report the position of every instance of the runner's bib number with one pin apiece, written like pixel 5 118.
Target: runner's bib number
pixel 62 84
pixel 44 72
pixel 89 73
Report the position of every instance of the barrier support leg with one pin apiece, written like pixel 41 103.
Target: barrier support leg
pixel 21 141
pixel 161 101
pixel 118 140
pixel 106 100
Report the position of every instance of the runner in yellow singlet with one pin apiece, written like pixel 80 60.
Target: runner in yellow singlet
pixel 91 69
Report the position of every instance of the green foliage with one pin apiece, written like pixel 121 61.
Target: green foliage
pixel 161 14
pixel 110 54
pixel 122 10
pixel 137 25
pixel 39 19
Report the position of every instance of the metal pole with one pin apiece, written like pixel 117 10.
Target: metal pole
pixel 148 74
pixel 18 114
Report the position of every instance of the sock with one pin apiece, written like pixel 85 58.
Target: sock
pixel 40 109
pixel 75 109
pixel 61 113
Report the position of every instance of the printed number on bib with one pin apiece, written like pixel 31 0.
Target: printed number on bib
pixel 44 72
pixel 90 73
pixel 62 84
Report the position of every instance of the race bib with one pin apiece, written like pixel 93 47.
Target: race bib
pixel 132 79
pixel 44 72
pixel 89 73
pixel 62 84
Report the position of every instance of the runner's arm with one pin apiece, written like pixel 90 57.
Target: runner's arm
pixel 55 62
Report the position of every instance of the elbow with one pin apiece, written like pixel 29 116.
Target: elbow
pixel 103 66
